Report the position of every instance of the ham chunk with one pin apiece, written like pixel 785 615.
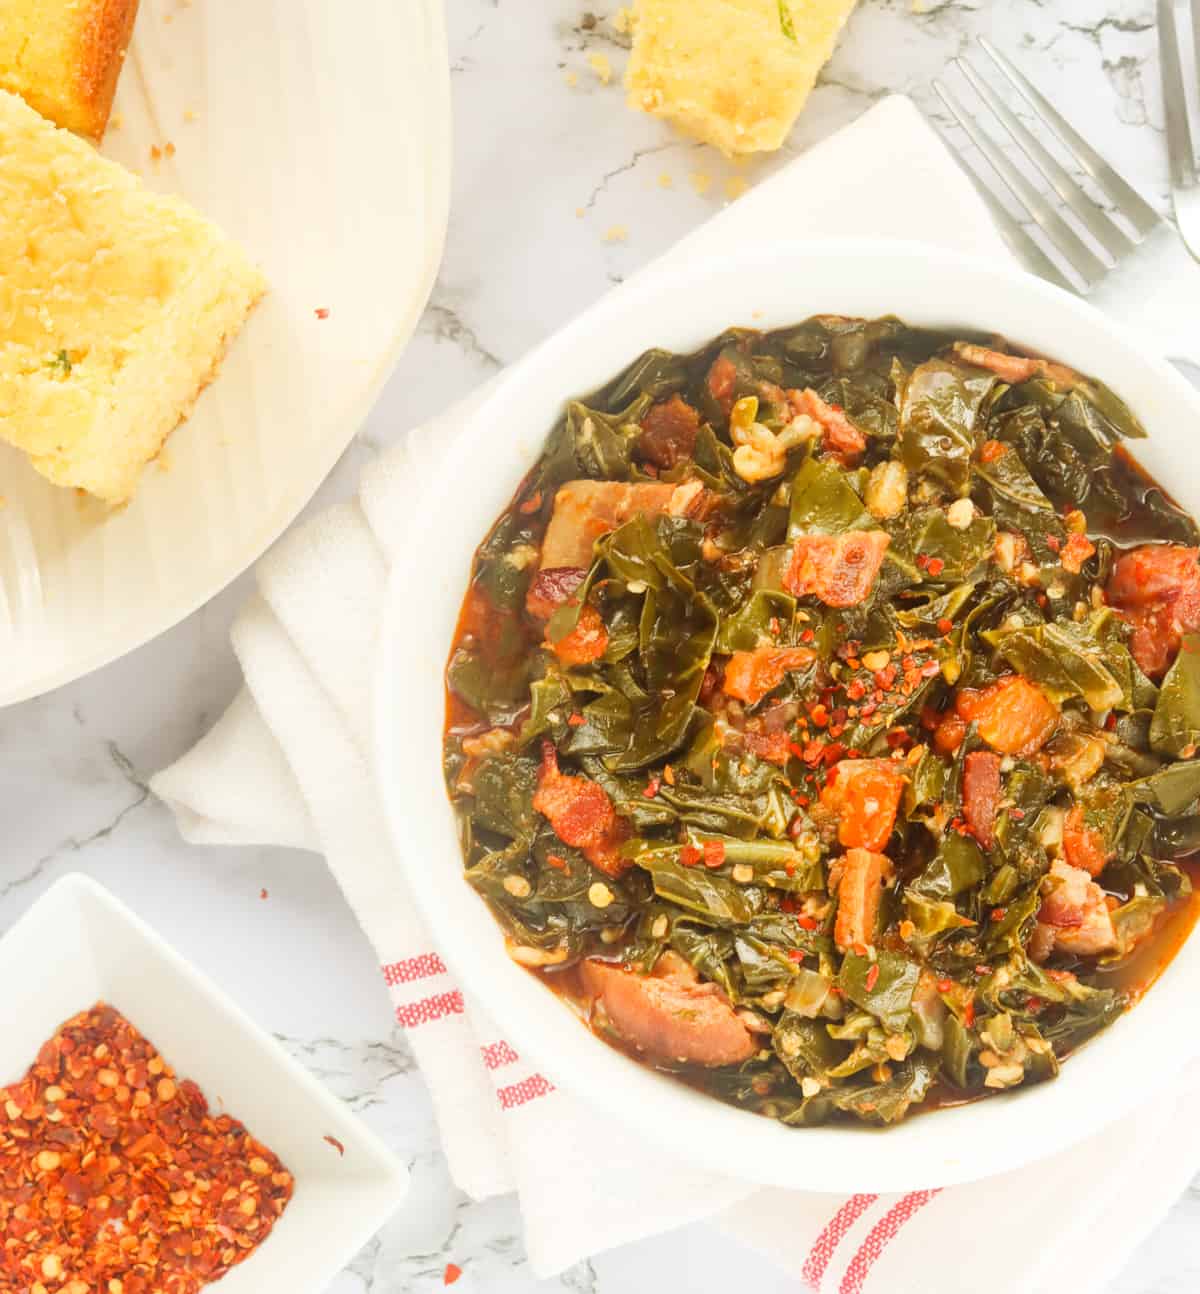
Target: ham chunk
pixel 981 794
pixel 669 1014
pixel 581 814
pixel 750 675
pixel 864 794
pixel 839 570
pixel 1157 591
pixel 838 433
pixel 859 881
pixel 1011 368
pixel 551 588
pixel 1013 715
pixel 669 431
pixel 585 510
pixel 1074 908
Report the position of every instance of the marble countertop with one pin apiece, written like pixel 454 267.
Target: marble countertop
pixel 559 192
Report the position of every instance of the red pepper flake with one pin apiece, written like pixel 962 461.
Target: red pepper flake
pixel 1019 814
pixel 451 1274
pixel 923 560
pixel 789 868
pixel 714 853
pixel 998 914
pixel 837 408
pixel 689 855
pixel 929 669
pixel 335 1143
pixel 774 625
pixel 531 504
pixel 322 312
pixel 807 636
pixel 557 862
pixel 806 922
pixel 945 985
pixel 262 894
pixel 1110 723
pixel 969 1014
pixel 1042 600
pixel 576 721
pixel 982 968
pixel 795 954
pixel 652 787
pixel 859 950
pixel 1053 543
pixel 856 690
pixel 935 566
pixel 944 626
pixel 992 449
pixel 1034 1003
pixel 872 977
pixel 819 715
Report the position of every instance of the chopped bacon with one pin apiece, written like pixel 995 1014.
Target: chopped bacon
pixel 722 378
pixel 1083 846
pixel 750 675
pixel 1012 368
pixel 551 588
pixel 587 642
pixel 773 747
pixel 1013 715
pixel 1157 590
pixel 668 432
pixel 981 794
pixel 840 434
pixel 1073 905
pixel 865 795
pixel 581 814
pixel 859 889
pixel 585 510
pixel 1076 551
pixel 670 1014
pixel 840 570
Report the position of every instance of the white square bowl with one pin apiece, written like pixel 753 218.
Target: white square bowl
pixel 78 945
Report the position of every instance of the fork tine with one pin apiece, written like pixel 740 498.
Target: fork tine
pixel 1028 252
pixel 1123 195
pixel 1179 135
pixel 1113 240
pixel 1082 259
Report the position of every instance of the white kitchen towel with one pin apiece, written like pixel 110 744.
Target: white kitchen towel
pixel 288 764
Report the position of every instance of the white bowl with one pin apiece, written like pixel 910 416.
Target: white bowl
pixel 78 945
pixel 762 287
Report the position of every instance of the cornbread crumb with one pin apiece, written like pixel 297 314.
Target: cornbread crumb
pixel 734 73
pixel 616 234
pixel 571 79
pixel 189 114
pixel 63 57
pixel 622 21
pixel 601 66
pixel 117 304
pixel 665 181
pixel 700 181
pixel 735 186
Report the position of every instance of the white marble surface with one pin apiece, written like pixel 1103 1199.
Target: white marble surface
pixel 547 160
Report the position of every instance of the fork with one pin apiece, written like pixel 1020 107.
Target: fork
pixel 1084 241
pixel 1183 119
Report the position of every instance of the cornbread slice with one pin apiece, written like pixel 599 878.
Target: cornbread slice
pixel 735 73
pixel 64 57
pixel 116 305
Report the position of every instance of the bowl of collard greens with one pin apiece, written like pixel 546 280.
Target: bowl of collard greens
pixel 788 711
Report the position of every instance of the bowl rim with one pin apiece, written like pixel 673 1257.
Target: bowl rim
pixel 976 1140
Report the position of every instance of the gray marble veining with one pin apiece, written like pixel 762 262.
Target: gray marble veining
pixel 559 192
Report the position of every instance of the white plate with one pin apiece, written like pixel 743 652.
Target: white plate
pixel 765 286
pixel 102 952
pixel 319 138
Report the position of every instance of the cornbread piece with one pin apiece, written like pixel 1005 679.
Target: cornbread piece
pixel 116 305
pixel 735 73
pixel 64 57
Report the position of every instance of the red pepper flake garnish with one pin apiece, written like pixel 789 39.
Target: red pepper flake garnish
pixel 859 950
pixel 819 715
pixel 807 636
pixel 451 1274
pixel 998 914
pixel 856 690
pixel 806 922
pixel 335 1143
pixel 1034 1003
pixel 322 312
pixel 945 985
pixel 1019 814
pixel 557 862
pixel 944 626
pixel 872 977
pixel 992 449
pixel 935 566
pixel 929 669
pixel 576 721
pixel 982 968
pixel 969 1014
pixel 1110 723
pixel 1053 543
pixel 652 787
pixel 689 856
pixel 531 504
pixel 668 775
pixel 923 560
pixel 262 894
pixel 795 954
pixel 714 853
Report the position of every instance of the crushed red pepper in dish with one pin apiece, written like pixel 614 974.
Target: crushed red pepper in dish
pixel 823 717
pixel 116 1178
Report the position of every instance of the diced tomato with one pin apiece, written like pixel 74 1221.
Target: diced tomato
pixel 1013 715
pixel 949 734
pixel 981 794
pixel 1157 589
pixel 1076 551
pixel 722 378
pixel 839 434
pixel 581 814
pixel 1083 846
pixel 992 450
pixel 750 675
pixel 865 795
pixel 859 889
pixel 670 1014
pixel 587 642
pixel 839 570
pixel 1073 906
pixel 668 432
pixel 1012 368
pixel 552 588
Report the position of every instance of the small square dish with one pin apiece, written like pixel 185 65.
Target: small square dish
pixel 78 945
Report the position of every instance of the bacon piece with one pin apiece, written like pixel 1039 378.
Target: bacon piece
pixel 1073 905
pixel 670 1014
pixel 668 432
pixel 865 795
pixel 1083 846
pixel 1076 551
pixel 585 510
pixel 839 434
pixel 587 642
pixel 859 889
pixel 1012 368
pixel 552 587
pixel 840 570
pixel 722 378
pixel 581 814
pixel 981 794
pixel 750 675
pixel 1157 590
pixel 773 747
pixel 1013 715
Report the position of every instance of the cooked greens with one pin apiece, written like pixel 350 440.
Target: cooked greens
pixel 823 716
